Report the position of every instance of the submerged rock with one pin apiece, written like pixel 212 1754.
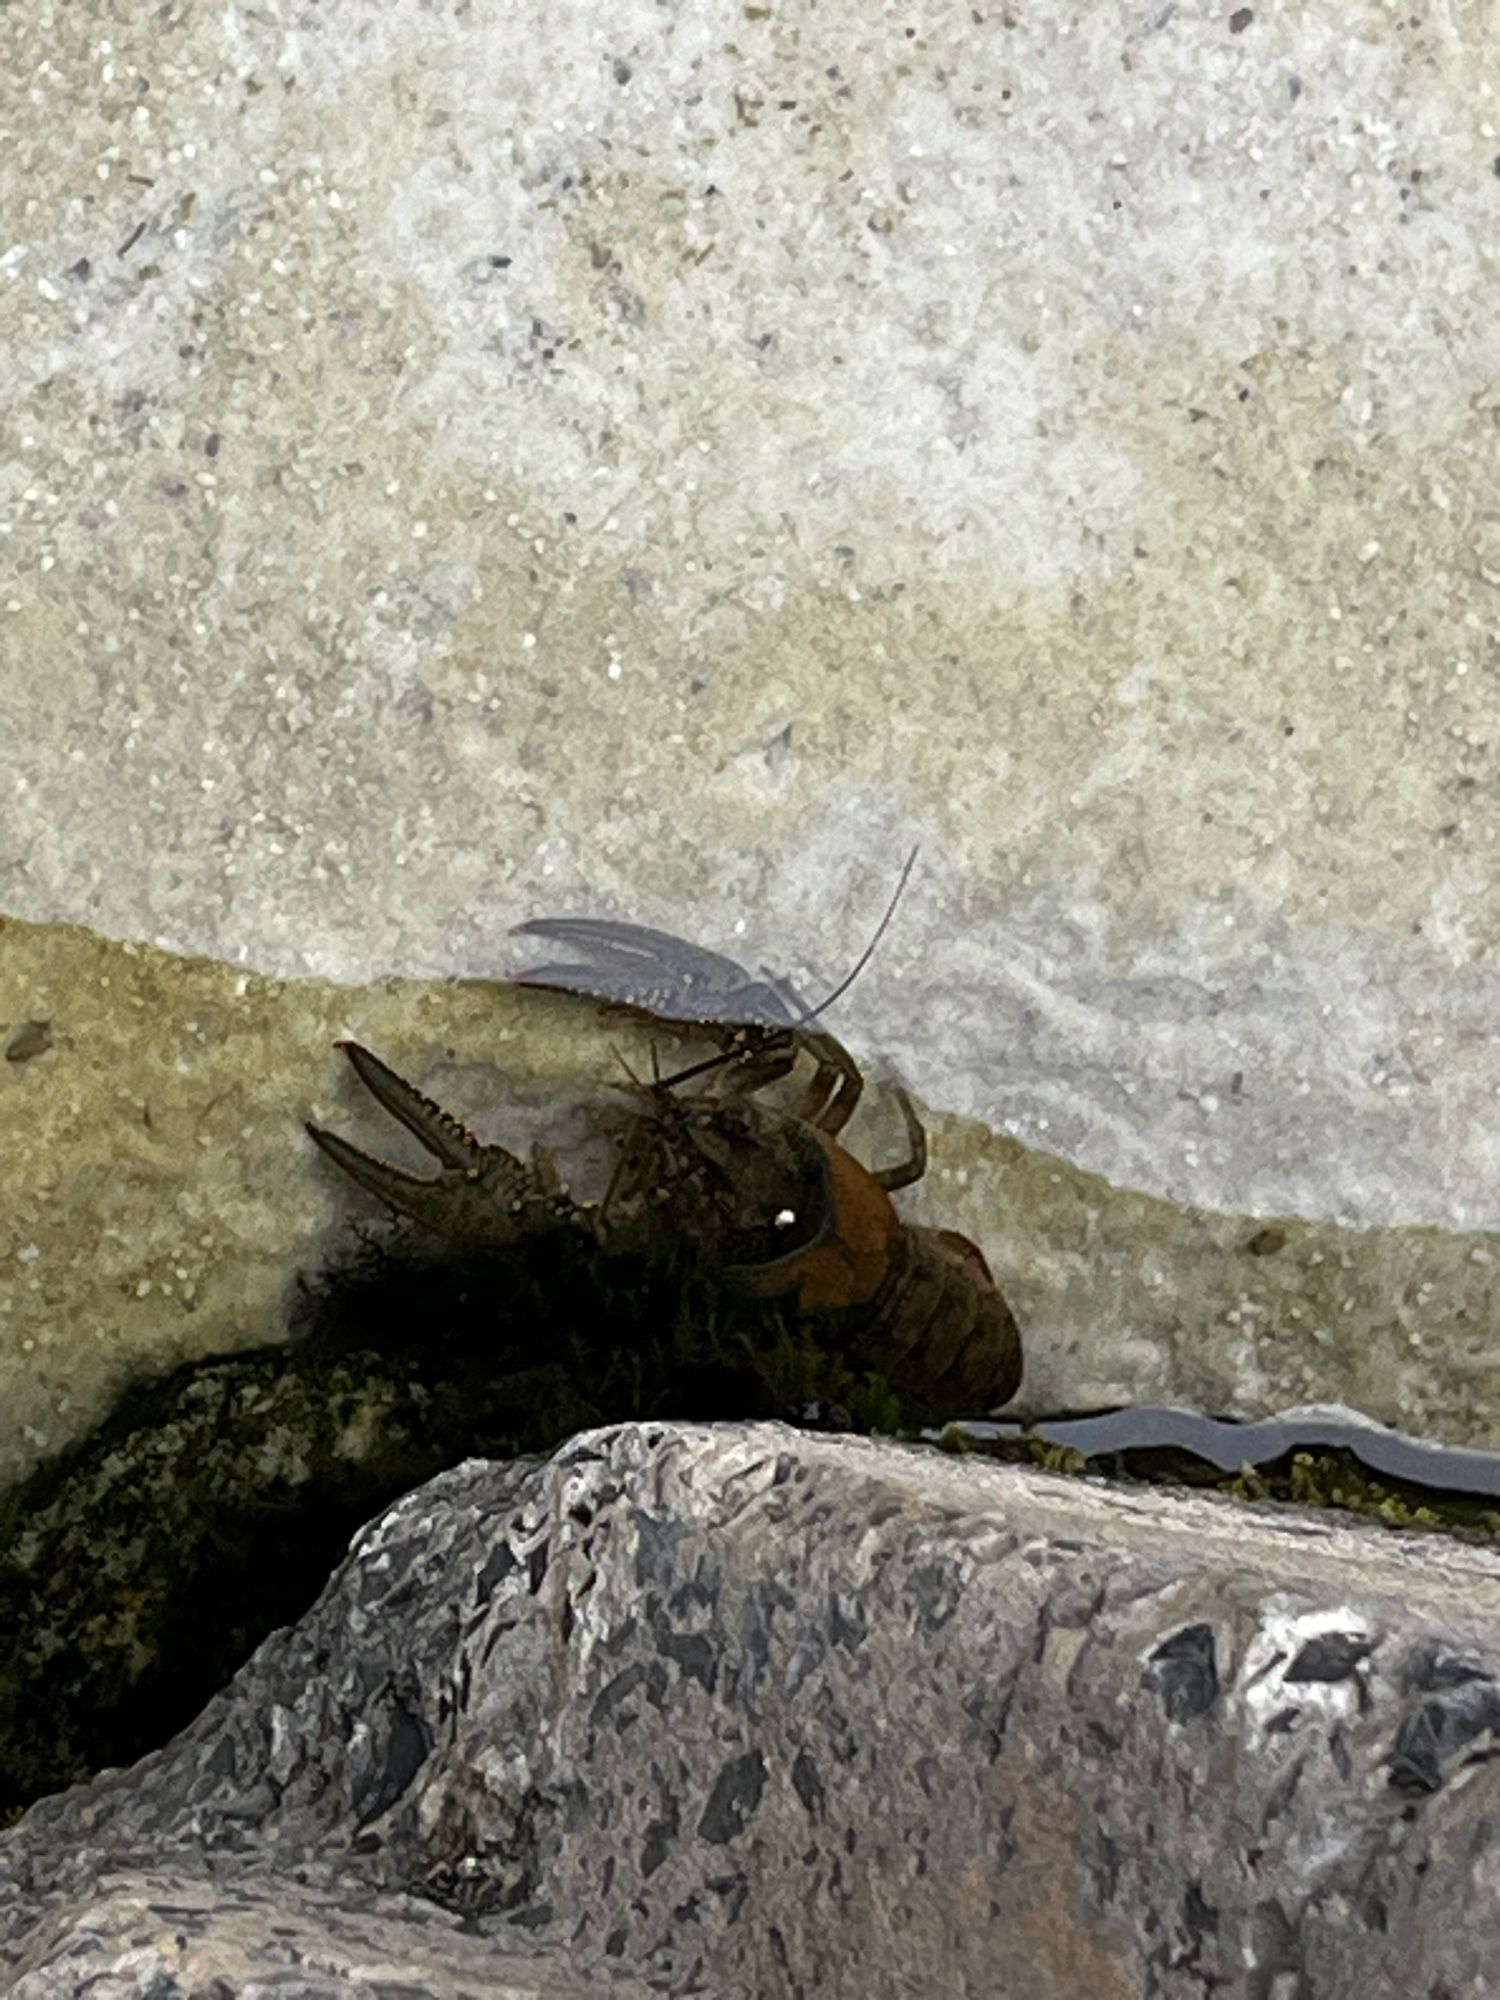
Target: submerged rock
pixel 753 1713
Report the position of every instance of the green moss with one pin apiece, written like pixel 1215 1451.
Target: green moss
pixel 1328 1477
pixel 1057 1457
pixel 1337 1479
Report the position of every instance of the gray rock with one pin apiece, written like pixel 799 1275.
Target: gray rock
pixel 747 1712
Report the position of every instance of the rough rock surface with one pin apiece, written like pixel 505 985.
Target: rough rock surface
pixel 746 1712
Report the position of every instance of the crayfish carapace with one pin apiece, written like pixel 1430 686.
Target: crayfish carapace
pixel 767 1194
pixel 788 1212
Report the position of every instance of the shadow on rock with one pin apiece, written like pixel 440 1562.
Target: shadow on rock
pixel 142 1567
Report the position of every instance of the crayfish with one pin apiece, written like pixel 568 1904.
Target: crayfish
pixel 768 1194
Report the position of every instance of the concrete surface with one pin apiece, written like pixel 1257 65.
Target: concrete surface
pixel 744 1712
pixel 665 461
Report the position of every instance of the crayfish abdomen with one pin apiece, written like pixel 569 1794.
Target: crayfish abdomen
pixel 939 1327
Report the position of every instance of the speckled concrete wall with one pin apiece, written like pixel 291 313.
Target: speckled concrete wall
pixel 665 461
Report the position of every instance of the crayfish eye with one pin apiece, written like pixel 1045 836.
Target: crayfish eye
pixel 784 1218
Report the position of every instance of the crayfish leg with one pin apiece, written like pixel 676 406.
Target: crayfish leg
pixel 915 1165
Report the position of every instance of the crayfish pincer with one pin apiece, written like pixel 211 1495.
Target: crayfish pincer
pixel 483 1197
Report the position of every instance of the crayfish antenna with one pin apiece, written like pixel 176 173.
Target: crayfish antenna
pixel 635 1081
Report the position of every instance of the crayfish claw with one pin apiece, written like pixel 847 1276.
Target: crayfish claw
pixel 484 1195
pixel 405 1193
pixel 438 1130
